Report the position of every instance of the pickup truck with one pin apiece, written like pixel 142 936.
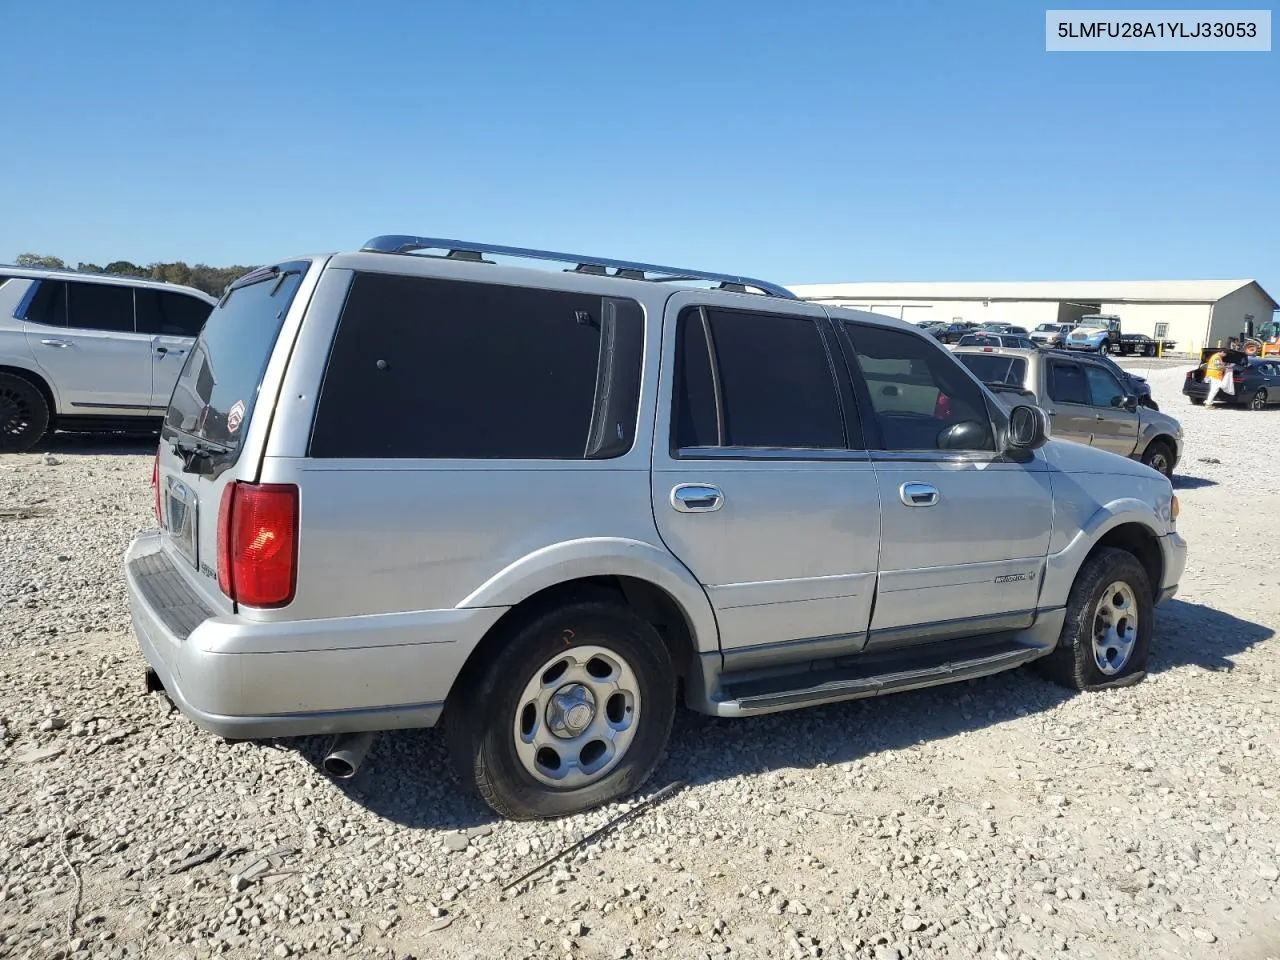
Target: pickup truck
pixel 1085 401
pixel 1101 333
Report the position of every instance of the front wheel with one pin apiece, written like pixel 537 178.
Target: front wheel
pixel 1259 401
pixel 573 712
pixel 1106 637
pixel 1159 456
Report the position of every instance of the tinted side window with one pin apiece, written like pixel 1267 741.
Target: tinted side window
pixel 48 304
pixel 772 377
pixel 1104 389
pixel 170 314
pixel 1067 384
pixel 919 393
pixel 425 368
pixel 995 367
pixel 99 306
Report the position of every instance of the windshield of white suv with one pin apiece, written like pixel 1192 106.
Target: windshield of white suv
pixel 214 397
pixel 1048 328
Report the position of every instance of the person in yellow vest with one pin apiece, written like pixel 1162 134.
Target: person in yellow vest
pixel 1214 373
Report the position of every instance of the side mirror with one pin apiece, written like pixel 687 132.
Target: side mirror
pixel 1130 403
pixel 965 435
pixel 1028 427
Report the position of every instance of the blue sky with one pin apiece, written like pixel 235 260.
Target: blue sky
pixel 801 142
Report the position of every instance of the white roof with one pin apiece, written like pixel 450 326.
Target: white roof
pixel 1089 291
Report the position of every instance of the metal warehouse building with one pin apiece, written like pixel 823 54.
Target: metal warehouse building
pixel 1194 313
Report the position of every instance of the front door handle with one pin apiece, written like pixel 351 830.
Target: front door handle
pixel 915 494
pixel 696 498
pixel 1098 416
pixel 55 342
pixel 164 351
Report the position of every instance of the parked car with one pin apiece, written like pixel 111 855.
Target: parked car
pixel 998 327
pixel 1086 401
pixel 1051 334
pixel 576 492
pixel 982 338
pixel 87 351
pixel 952 332
pixel 1256 380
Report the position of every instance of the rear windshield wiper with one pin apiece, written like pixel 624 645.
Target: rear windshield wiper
pixel 194 451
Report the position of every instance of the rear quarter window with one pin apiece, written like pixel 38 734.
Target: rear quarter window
pixel 424 368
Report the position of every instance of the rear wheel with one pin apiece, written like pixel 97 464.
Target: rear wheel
pixel 24 413
pixel 1106 638
pixel 1259 401
pixel 1198 401
pixel 1159 456
pixel 573 712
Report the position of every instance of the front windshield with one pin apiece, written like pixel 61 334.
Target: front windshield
pixel 1096 322
pixel 1047 328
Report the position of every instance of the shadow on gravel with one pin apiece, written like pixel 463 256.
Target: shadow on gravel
pixel 1181 482
pixel 408 779
pixel 1196 635
pixel 98 444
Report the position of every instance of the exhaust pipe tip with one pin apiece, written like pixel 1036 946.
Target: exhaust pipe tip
pixel 346 753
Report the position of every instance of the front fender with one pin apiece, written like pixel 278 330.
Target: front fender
pixel 1061 567
pixel 602 557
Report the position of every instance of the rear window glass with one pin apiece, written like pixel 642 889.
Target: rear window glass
pixel 428 368
pixel 170 314
pixel 995 368
pixel 216 390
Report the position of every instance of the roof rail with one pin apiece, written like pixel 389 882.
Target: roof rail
pixel 626 269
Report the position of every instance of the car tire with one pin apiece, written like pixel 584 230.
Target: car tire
pixel 1198 401
pixel 24 414
pixel 573 711
pixel 1259 399
pixel 1159 456
pixel 1106 638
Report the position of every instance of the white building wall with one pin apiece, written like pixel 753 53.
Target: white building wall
pixel 1187 323
pixel 1229 313
pixel 1025 313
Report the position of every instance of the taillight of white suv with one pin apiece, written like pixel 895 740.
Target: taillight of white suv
pixel 258 543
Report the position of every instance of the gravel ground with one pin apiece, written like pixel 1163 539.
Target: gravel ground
pixel 999 818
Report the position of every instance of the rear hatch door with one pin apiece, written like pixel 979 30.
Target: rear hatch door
pixel 216 426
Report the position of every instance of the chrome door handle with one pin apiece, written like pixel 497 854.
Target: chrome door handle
pixel 164 351
pixel 915 494
pixel 54 342
pixel 1098 416
pixel 696 498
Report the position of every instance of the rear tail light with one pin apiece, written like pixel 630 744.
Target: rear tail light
pixel 258 543
pixel 155 486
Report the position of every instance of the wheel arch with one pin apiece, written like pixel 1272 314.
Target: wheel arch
pixel 637 575
pixel 1128 525
pixel 37 380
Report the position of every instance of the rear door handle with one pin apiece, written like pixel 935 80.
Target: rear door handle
pixel 164 351
pixel 696 498
pixel 915 494
pixel 55 342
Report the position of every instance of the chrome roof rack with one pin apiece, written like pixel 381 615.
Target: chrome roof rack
pixel 625 269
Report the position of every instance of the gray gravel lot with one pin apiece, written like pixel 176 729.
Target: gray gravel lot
pixel 1000 818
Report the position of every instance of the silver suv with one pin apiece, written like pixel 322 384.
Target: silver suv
pixel 1087 402
pixel 89 351
pixel 416 485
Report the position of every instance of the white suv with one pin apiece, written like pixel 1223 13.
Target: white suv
pixel 86 351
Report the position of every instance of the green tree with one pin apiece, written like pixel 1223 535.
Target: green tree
pixel 39 260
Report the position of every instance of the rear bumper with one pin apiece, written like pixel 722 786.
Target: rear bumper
pixel 247 679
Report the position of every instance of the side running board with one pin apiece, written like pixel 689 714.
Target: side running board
pixel 869 675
